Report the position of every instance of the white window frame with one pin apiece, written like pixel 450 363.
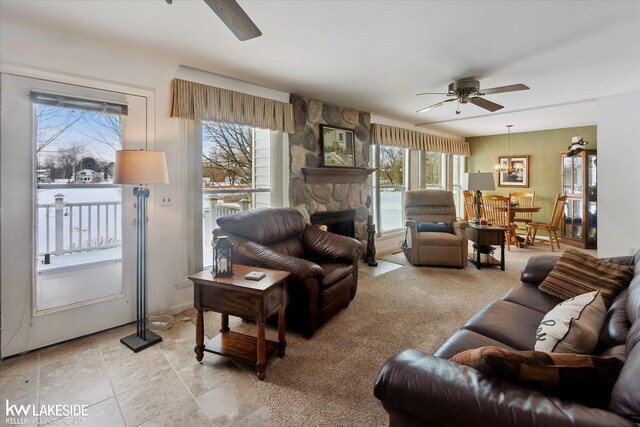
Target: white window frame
pixel 375 188
pixel 414 178
pixel 194 235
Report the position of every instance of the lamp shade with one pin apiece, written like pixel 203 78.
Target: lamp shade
pixel 479 181
pixel 139 167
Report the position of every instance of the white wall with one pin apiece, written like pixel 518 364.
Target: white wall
pixel 51 54
pixel 618 174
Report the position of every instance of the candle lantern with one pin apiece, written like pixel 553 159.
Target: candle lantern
pixel 222 254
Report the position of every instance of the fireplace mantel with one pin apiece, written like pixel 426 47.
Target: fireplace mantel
pixel 336 175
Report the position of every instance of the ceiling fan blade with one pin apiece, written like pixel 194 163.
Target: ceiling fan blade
pixel 483 103
pixel 431 107
pixel 230 12
pixel 435 93
pixel 501 89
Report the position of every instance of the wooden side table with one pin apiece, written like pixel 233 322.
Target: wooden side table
pixel 249 299
pixel 486 235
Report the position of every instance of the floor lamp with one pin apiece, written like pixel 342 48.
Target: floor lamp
pixel 141 168
pixel 478 181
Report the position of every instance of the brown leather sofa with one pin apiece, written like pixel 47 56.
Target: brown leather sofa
pixel 324 265
pixel 435 248
pixel 417 389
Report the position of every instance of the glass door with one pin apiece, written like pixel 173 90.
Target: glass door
pixel 78 218
pixel 66 241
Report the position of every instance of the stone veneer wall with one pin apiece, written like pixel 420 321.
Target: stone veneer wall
pixel 304 146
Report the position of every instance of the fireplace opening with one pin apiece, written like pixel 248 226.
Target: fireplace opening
pixel 338 222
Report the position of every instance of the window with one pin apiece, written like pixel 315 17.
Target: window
pixel 456 183
pixel 432 170
pixel 389 186
pixel 393 178
pixel 443 171
pixel 78 214
pixel 240 171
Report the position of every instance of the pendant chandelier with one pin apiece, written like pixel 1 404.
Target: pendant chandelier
pixel 511 167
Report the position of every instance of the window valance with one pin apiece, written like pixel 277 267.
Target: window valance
pixel 391 135
pixel 195 101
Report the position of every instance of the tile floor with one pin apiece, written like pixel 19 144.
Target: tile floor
pixel 160 386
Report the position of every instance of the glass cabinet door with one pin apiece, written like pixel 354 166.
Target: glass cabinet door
pixel 567 230
pixel 567 168
pixel 592 181
pixel 592 231
pixel 577 219
pixel 573 220
pixel 577 175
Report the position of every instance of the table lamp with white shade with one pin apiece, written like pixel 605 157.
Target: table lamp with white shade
pixel 479 181
pixel 141 168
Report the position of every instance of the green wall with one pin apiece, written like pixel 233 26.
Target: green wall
pixel 544 149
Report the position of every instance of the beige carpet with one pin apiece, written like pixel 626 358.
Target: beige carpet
pixel 328 380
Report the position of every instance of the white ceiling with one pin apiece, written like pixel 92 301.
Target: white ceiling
pixel 376 55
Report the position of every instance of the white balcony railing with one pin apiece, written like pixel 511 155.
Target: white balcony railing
pixel 214 207
pixel 65 228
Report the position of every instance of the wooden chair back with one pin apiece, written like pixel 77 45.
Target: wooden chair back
pixel 469 204
pixel 523 199
pixel 558 212
pixel 497 210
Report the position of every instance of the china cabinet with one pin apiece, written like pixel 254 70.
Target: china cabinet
pixel 579 183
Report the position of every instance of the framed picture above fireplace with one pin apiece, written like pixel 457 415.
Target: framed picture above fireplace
pixel 337 147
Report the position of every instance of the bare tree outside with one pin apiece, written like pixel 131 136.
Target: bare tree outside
pixel 54 123
pixel 432 168
pixel 228 157
pixel 103 128
pixel 69 140
pixel 391 165
pixel 67 160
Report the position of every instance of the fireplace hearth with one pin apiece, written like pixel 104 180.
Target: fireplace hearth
pixel 338 222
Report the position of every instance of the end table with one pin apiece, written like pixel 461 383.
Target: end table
pixel 249 299
pixel 486 235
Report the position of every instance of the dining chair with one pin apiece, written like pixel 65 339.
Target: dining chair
pixel 469 204
pixel 523 199
pixel 550 227
pixel 497 209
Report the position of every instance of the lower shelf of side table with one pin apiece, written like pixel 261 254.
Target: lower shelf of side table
pixel 241 347
pixel 490 261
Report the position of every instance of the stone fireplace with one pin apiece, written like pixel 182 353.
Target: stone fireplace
pixel 330 195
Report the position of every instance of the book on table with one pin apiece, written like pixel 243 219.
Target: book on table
pixel 254 275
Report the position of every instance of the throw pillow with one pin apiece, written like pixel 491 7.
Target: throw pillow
pixel 433 227
pixel 587 379
pixel 573 326
pixel 576 273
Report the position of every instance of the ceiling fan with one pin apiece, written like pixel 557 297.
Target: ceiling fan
pixel 468 90
pixel 230 12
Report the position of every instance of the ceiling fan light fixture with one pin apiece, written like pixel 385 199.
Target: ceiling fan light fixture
pixel 468 90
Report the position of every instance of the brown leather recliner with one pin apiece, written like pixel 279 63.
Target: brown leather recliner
pixel 324 265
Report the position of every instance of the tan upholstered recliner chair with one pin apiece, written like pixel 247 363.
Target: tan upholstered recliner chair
pixel 434 248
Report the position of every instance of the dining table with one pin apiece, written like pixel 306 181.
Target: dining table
pixel 513 210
